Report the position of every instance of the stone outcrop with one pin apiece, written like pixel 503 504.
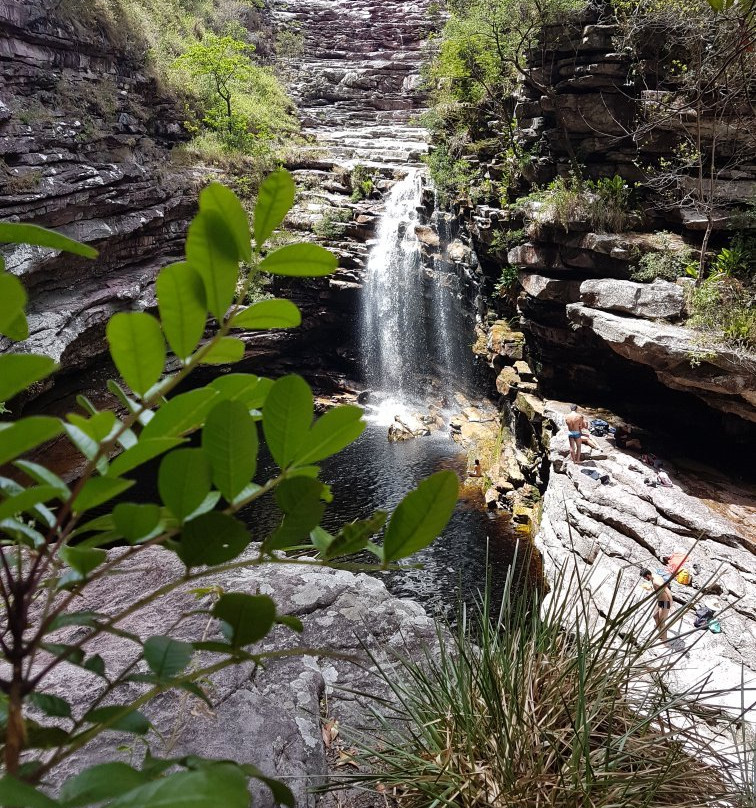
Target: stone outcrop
pixel 611 530
pixel 723 378
pixel 275 718
pixel 85 136
pixel 650 301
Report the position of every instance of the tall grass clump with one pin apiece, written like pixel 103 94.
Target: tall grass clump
pixel 542 702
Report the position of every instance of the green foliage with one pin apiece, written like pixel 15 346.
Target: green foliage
pixel 361 182
pixel 480 56
pixel 451 176
pixel 513 710
pixel 507 280
pixel 331 225
pixel 604 204
pixel 505 240
pixel 243 102
pixel 51 553
pixel 724 308
pixel 668 264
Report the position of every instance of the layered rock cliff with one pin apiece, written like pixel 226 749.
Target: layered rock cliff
pixel 85 141
pixel 592 333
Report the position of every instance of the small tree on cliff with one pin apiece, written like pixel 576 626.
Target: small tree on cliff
pixel 222 61
pixel 57 539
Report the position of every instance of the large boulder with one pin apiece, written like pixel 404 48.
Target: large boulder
pixel 722 377
pixel 272 717
pixel 652 301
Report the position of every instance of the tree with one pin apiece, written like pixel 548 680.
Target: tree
pixel 222 61
pixel 52 548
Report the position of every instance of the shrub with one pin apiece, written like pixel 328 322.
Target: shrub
pixel 667 264
pixel 543 702
pixel 610 209
pixel 507 280
pixel 55 538
pixel 452 177
pixel 331 225
pixel 361 182
pixel 725 308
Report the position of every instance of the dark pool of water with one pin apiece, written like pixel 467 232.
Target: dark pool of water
pixel 374 474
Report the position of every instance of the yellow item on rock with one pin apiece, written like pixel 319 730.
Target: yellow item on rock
pixel 683 577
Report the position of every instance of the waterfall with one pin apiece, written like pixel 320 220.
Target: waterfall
pixel 415 340
pixel 393 333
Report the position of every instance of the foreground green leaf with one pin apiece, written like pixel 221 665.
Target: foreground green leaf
pixel 211 252
pixel 183 313
pixel 99 490
pixel 274 201
pixel 12 318
pixel 138 349
pixel 331 433
pixel 229 440
pixel 83 561
pixel 212 538
pixel 184 481
pixel 135 522
pixel 224 202
pixel 300 499
pixel 10 232
pixel 181 414
pixel 27 433
pixel 130 721
pixel 287 417
pixel 249 617
pixel 219 785
pixel 421 516
pixel 19 371
pixel 300 260
pixel 268 314
pixel 225 351
pixel 167 657
pixel 15 794
pixel 251 390
pixel 145 450
pixel 99 783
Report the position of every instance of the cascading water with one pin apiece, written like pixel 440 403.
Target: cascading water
pixel 413 328
pixel 393 333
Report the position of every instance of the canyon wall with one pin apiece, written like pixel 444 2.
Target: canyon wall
pixel 592 333
pixel 85 142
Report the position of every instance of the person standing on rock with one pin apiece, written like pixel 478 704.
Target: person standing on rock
pixel 663 605
pixel 575 425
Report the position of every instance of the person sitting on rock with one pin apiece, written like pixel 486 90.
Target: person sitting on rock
pixel 476 470
pixel 663 605
pixel 576 423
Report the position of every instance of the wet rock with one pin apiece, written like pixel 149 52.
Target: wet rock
pixel 407 427
pixel 506 380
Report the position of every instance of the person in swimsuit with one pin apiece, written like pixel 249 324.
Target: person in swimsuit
pixel 663 605
pixel 575 425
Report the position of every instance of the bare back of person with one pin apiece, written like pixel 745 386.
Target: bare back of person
pixel 575 423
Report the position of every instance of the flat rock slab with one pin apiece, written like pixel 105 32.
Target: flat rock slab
pixel 273 716
pixel 612 531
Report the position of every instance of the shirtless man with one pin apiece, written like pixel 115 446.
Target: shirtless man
pixel 663 605
pixel 575 424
